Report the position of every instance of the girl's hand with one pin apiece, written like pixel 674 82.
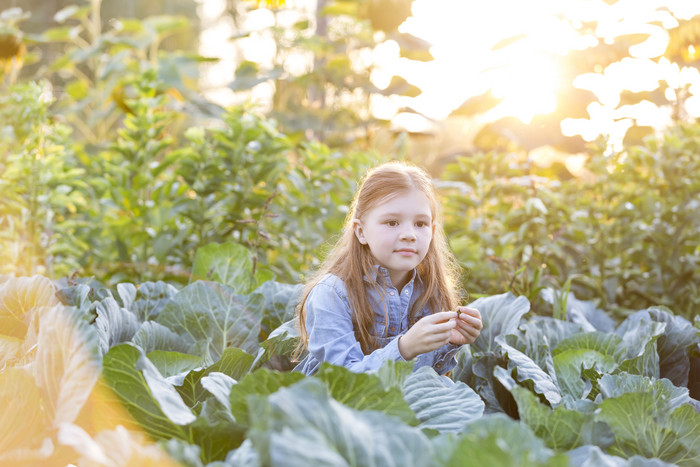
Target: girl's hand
pixel 468 327
pixel 429 333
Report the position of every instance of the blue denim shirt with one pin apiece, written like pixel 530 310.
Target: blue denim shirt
pixel 332 337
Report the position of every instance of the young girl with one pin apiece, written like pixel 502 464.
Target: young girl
pixel 388 290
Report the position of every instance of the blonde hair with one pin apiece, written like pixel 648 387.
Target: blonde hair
pixel 354 263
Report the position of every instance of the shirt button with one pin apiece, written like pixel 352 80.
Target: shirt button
pixel 391 293
pixel 439 365
pixel 392 329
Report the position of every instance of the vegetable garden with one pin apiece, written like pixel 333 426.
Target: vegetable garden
pixel 148 280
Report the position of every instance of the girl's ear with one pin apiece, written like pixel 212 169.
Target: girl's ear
pixel 357 227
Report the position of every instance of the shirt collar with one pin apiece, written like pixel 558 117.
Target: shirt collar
pixel 378 271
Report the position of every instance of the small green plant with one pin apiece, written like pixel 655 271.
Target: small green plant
pixel 43 189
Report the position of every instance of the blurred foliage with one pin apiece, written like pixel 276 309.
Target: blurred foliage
pixel 113 167
pixel 42 186
pixel 93 66
pixel 328 99
pixel 143 206
pixel 626 234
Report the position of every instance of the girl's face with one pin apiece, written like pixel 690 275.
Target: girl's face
pixel 398 232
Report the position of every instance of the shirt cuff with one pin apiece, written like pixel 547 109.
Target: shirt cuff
pixel 395 344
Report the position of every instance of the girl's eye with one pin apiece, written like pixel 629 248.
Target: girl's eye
pixel 392 223
pixel 421 224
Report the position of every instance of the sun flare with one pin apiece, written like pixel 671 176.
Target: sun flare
pixel 515 49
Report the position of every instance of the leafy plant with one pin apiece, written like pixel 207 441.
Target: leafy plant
pixel 626 234
pixel 42 185
pixel 161 387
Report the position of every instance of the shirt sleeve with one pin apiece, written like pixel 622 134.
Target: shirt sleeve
pixel 332 337
pixel 445 358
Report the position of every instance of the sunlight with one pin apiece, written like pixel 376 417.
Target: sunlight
pixel 515 49
pixel 467 39
pixel 527 85
pixel 463 33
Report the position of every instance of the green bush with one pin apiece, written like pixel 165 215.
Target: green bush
pixel 627 235
pixel 42 186
pixel 139 209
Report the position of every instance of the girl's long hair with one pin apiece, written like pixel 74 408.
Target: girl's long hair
pixel 355 265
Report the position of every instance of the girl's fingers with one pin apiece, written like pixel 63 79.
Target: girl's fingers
pixel 446 326
pixel 465 310
pixel 471 322
pixel 470 316
pixel 441 316
pixel 470 329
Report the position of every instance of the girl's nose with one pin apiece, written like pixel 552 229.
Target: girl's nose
pixel 408 234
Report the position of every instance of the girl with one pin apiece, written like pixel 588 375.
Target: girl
pixel 380 293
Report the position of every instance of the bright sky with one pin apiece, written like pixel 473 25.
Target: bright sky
pixel 525 75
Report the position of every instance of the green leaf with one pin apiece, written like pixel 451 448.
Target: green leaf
pixel 301 426
pixel 114 324
pixel 148 398
pixel 341 7
pixel 234 363
pixel 279 302
pixel 494 440
pixel 393 373
pixel 500 314
pixel 173 363
pixel 167 24
pixel 65 13
pixel 62 34
pixel 581 312
pixel 150 299
pixel 527 372
pixel 127 293
pixel 181 451
pixel 153 336
pixel 607 345
pixel 364 391
pixel 261 382
pixel 245 455
pixel 674 344
pixel 644 425
pixel 639 340
pixel 229 263
pixel 537 337
pixel 164 393
pixel 593 456
pixel 612 386
pixel 77 89
pixel 219 385
pixel 215 431
pixel 76 296
pixel 560 428
pixel 439 403
pixel 569 366
pixel 283 340
pixel 214 318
